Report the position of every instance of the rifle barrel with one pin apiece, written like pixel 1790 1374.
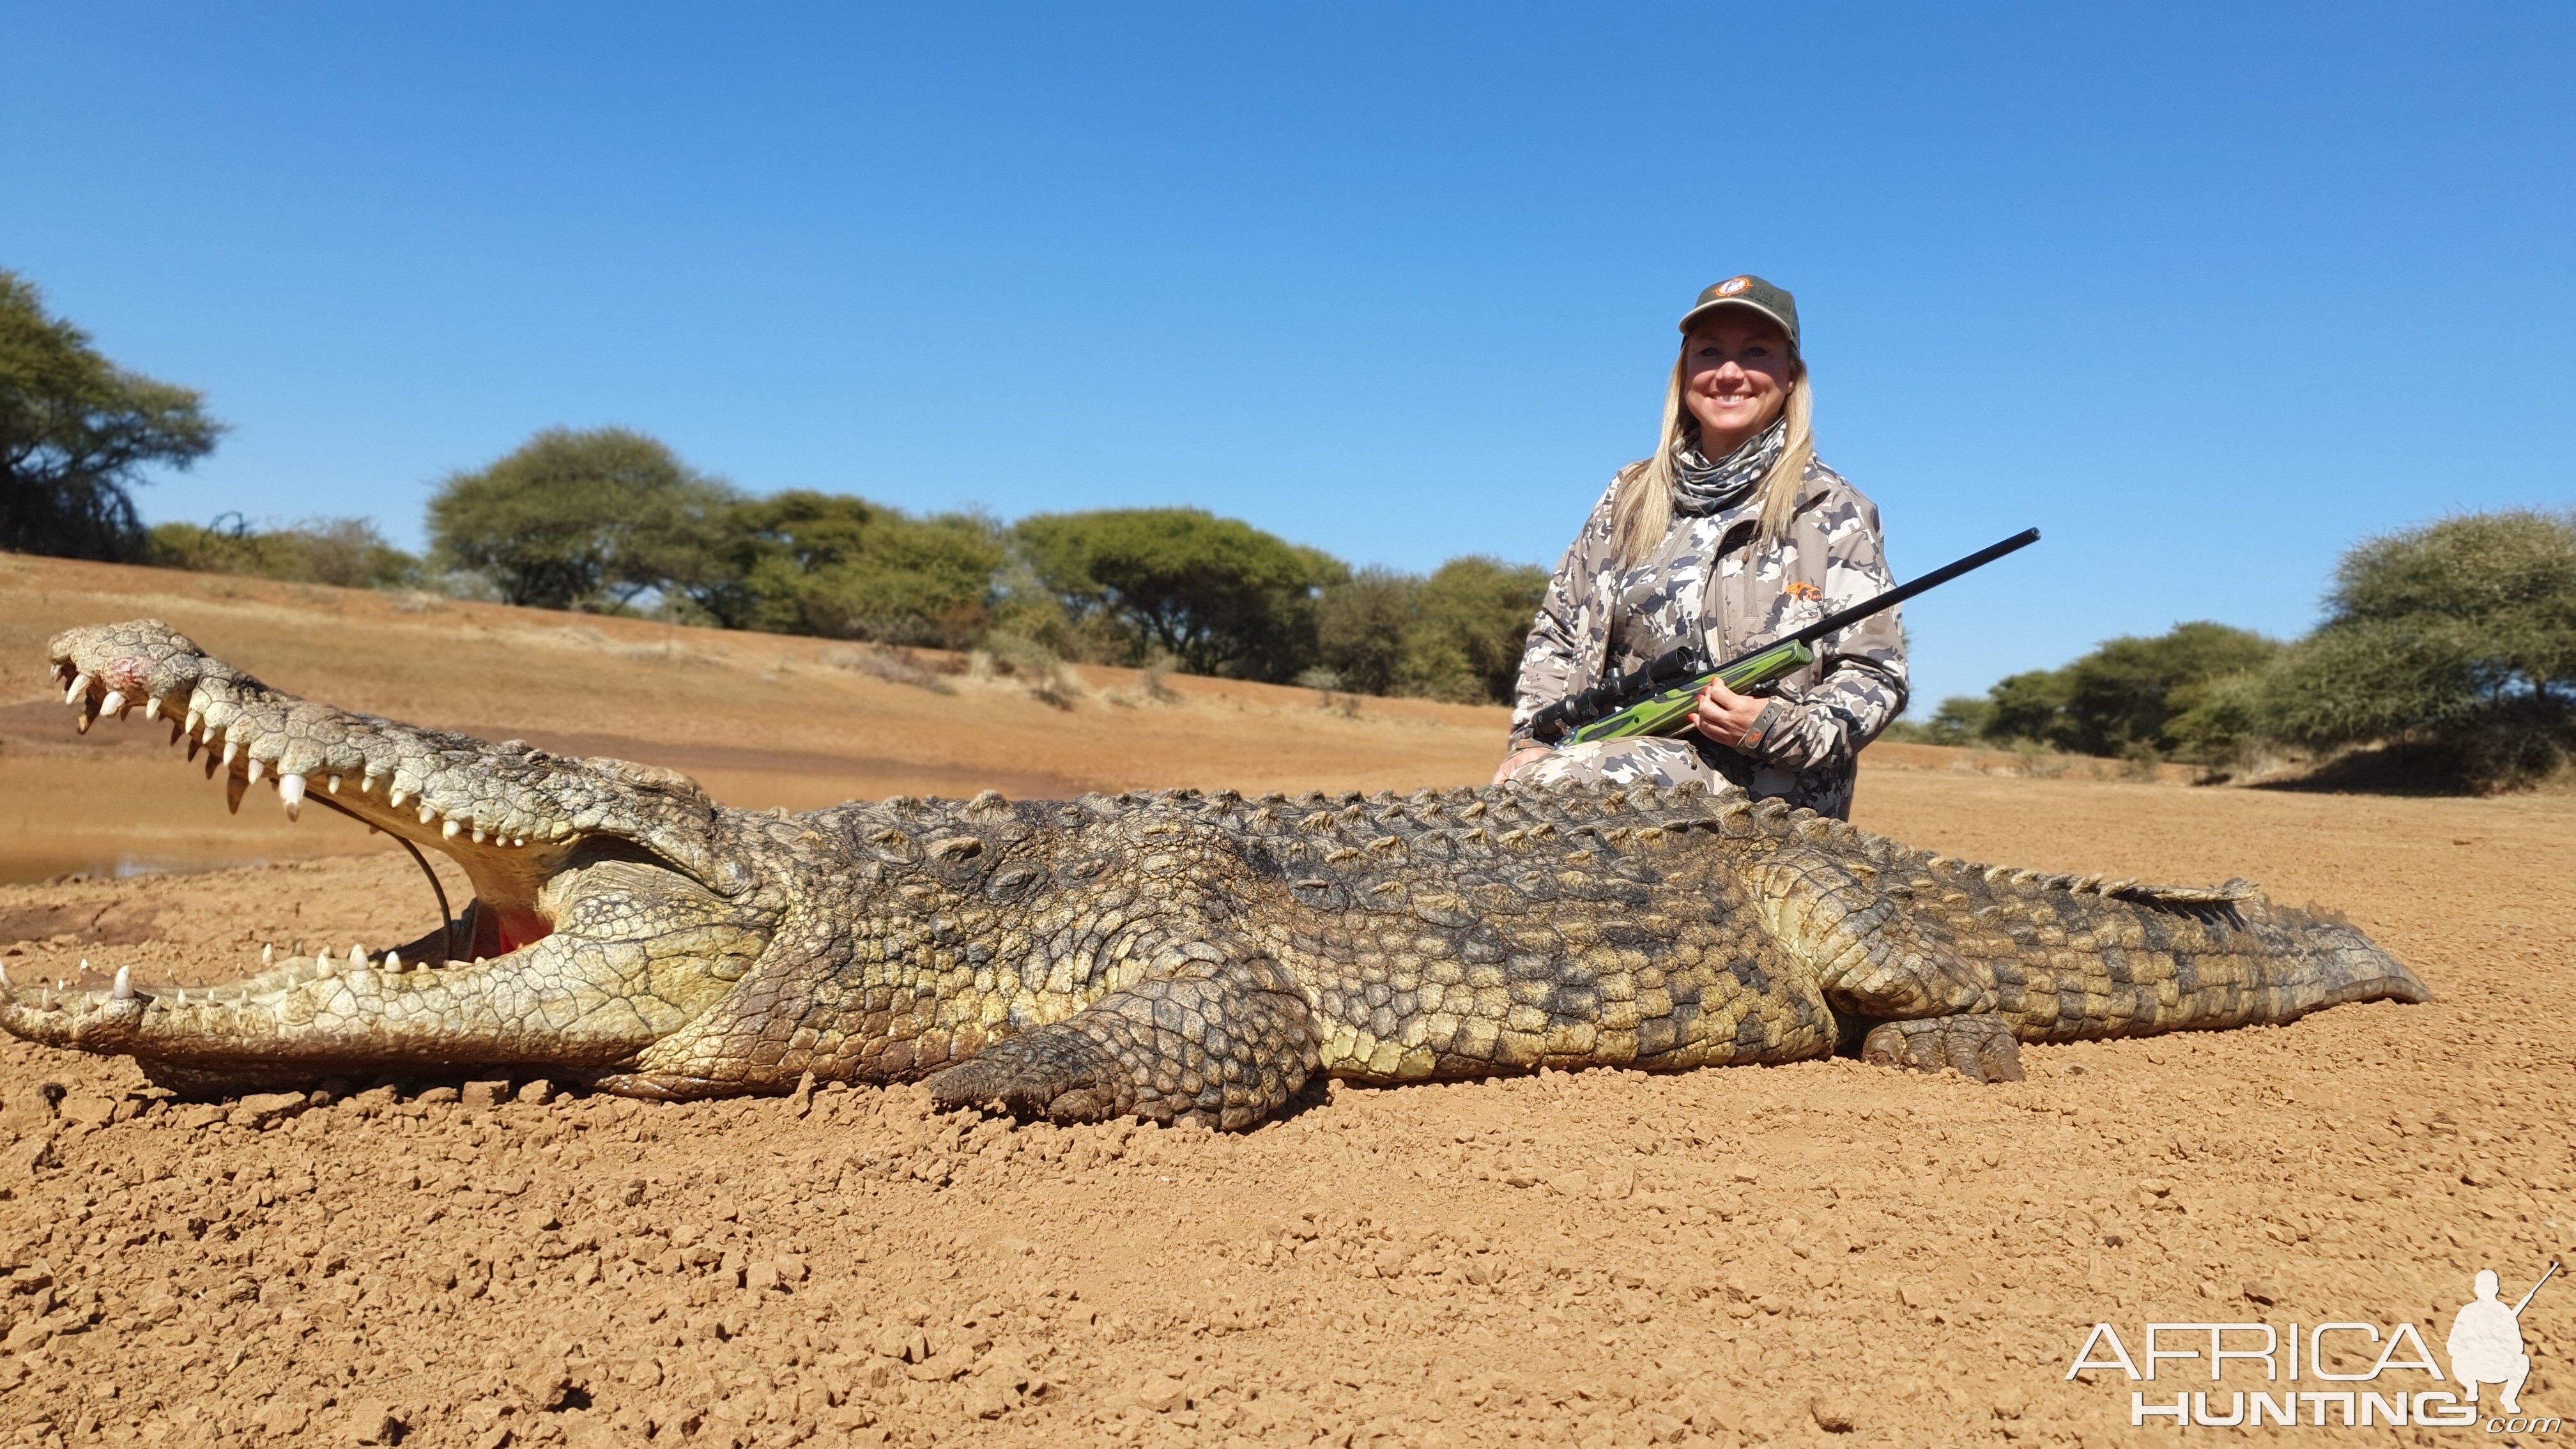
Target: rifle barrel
pixel 1832 623
pixel 2535 1289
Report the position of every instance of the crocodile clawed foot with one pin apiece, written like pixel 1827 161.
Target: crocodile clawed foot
pixel 1052 1072
pixel 1980 1047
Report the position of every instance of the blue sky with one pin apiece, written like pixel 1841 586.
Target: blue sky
pixel 2207 293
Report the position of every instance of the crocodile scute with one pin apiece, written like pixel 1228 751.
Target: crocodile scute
pixel 1174 955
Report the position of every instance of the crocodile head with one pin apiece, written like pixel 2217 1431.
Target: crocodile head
pixel 612 903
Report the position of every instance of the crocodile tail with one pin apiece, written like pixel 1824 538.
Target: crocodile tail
pixel 2228 958
pixel 2318 961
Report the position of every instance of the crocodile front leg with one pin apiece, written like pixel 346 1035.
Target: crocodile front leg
pixel 1216 1041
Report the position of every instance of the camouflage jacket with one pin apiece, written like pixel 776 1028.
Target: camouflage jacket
pixel 1596 614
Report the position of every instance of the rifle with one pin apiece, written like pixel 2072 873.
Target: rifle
pixel 1658 699
pixel 2535 1288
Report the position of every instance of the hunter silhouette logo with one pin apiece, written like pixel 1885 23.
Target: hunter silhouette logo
pixel 2486 1342
pixel 2363 1377
pixel 1733 285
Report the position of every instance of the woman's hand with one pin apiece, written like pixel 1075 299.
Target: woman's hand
pixel 1518 758
pixel 1724 715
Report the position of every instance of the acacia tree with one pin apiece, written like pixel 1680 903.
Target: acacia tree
pixel 76 431
pixel 2459 635
pixel 1218 594
pixel 577 519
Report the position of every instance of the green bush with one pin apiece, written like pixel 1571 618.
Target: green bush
pixel 1961 720
pixel 2137 697
pixel 2122 697
pixel 1362 626
pixel 1472 617
pixel 1455 635
pixel 2216 720
pixel 845 568
pixel 2029 706
pixel 345 552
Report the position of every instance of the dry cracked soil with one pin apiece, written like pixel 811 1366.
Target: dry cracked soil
pixel 1815 1253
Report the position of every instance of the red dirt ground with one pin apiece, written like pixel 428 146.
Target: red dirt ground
pixel 1816 1253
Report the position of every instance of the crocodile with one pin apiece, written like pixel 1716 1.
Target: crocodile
pixel 1174 955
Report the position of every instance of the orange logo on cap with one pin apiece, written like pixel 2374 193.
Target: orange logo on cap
pixel 1733 285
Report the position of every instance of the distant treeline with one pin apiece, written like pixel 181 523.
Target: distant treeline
pixel 2449 647
pixel 610 521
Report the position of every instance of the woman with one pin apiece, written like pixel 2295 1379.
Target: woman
pixel 1730 536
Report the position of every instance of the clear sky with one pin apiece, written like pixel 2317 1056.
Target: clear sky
pixel 2206 292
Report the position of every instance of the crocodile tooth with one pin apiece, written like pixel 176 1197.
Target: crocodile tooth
pixel 232 750
pixel 258 768
pixel 367 781
pixel 152 706
pixel 449 830
pixel 478 831
pixel 123 990
pixel 357 954
pixel 114 703
pixel 427 814
pixel 331 783
pixel 397 798
pixel 267 955
pixel 393 963
pixel 196 719
pixel 80 686
pixel 290 790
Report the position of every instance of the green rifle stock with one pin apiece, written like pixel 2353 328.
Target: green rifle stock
pixel 1659 701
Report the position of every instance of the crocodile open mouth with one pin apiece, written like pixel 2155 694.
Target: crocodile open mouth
pixel 506 853
pixel 543 840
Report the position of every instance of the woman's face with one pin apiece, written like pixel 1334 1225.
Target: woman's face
pixel 1736 372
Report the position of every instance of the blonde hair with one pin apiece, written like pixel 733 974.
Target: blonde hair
pixel 1641 512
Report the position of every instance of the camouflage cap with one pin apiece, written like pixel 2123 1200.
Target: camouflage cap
pixel 1748 291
